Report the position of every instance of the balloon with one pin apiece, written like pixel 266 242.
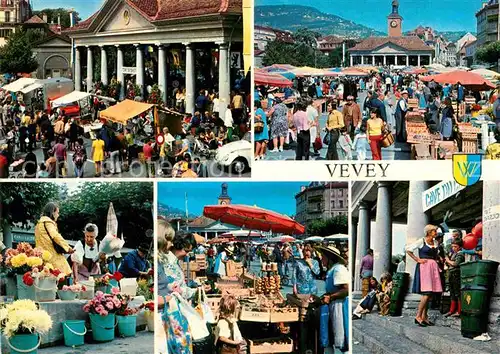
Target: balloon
pixel 470 242
pixel 478 230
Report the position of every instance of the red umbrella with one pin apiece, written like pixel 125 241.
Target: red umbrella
pixel 469 80
pixel 282 239
pixel 253 218
pixel 271 79
pixel 218 240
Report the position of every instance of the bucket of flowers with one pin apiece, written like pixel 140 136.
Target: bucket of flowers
pixel 102 312
pixel 45 281
pixel 150 308
pixel 145 288
pixel 70 292
pixel 107 282
pixel 23 259
pixel 22 322
pixel 126 317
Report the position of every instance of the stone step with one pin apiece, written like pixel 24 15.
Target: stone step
pixel 379 340
pixel 438 339
pixel 358 348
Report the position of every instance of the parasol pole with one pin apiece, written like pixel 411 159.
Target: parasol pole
pixel 187 213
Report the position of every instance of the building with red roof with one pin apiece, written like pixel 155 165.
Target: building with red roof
pixel 167 38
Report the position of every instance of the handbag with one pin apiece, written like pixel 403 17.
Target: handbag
pixel 197 325
pixel 258 126
pixel 387 138
pixel 58 248
pixel 326 139
pixel 318 145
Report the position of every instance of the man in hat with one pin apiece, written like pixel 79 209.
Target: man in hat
pixel 352 115
pixel 135 264
pixel 86 256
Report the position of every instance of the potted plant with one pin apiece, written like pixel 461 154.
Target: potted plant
pixel 102 310
pixel 70 292
pixel 22 322
pixel 150 308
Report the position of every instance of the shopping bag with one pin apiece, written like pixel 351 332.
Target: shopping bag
pixel 324 336
pixel 179 339
pixel 111 244
pixel 318 145
pixel 197 325
pixel 203 307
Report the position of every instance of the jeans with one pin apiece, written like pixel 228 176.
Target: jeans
pixel 303 144
pixel 78 172
pixel 332 153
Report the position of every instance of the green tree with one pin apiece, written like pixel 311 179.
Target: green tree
pixel 277 52
pixel 489 53
pixel 335 225
pixel 17 55
pixel 52 15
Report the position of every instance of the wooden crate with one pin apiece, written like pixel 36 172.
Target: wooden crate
pixel 271 345
pixel 262 315
pixel 420 152
pixel 237 292
pixel 284 314
pixel 469 146
pixel 413 103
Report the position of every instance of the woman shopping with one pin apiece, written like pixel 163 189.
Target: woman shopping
pixel 427 279
pixel 48 238
pixel 261 134
pixel 334 123
pixel 279 125
pixel 375 127
pixel 304 273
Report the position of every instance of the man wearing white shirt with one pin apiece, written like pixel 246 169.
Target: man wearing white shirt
pixel 86 256
pixel 228 123
pixel 312 117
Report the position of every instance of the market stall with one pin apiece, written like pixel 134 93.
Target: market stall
pixel 75 103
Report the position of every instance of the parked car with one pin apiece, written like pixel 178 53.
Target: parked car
pixel 236 155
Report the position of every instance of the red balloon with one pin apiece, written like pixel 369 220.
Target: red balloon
pixel 478 230
pixel 470 242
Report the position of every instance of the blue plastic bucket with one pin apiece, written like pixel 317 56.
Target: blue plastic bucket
pixel 24 344
pixel 66 295
pixel 74 333
pixel 24 292
pixel 127 325
pixel 103 327
pixel 105 289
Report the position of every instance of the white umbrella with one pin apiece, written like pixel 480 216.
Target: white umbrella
pixel 112 221
pixel 314 239
pixel 337 237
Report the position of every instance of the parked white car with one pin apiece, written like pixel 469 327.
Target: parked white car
pixel 236 155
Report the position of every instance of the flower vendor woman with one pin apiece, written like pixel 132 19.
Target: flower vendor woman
pixel 86 256
pixel 47 237
pixel 427 279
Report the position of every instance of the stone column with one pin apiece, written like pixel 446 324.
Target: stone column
pixel 162 72
pixel 385 59
pixel 139 65
pixel 344 51
pixel 190 78
pixel 417 220
pixel 407 60
pixel 352 245
pixel 104 66
pixel 382 245
pixel 352 60
pixel 90 69
pixel 396 60
pixel 491 225
pixel 362 60
pixel 363 241
pixel 119 71
pixel 418 60
pixel 373 60
pixel 78 70
pixel 224 79
pixel 430 59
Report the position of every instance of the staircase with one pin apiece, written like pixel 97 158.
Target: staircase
pixel 394 335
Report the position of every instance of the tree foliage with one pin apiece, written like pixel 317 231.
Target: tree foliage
pixel 17 55
pixel 489 53
pixel 52 15
pixel 335 225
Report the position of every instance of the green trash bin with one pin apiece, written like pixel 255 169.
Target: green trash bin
pixel 477 284
pixel 400 283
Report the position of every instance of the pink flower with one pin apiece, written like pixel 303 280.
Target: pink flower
pixel 86 308
pixel 65 288
pixel 115 291
pixel 99 295
pixel 117 303
pixel 110 305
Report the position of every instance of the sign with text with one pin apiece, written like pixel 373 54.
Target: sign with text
pixel 491 214
pixel 439 193
pixel 130 70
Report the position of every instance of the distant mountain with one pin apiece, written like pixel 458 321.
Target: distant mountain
pixel 171 212
pixel 293 17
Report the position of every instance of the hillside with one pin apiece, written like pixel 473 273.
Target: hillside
pixel 293 17
pixel 171 212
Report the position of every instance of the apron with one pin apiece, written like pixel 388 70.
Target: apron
pixel 339 315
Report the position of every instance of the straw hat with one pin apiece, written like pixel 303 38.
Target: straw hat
pixel 331 252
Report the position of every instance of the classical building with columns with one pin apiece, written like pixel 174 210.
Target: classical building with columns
pixel 395 49
pixel 189 44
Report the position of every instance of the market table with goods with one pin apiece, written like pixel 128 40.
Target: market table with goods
pixel 283 324
pixel 42 307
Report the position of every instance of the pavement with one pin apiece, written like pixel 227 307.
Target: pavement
pixel 142 343
pixel 398 151
pixel 137 170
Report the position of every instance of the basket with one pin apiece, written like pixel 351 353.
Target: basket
pixel 387 140
pixel 271 345
pixel 255 315
pixel 284 314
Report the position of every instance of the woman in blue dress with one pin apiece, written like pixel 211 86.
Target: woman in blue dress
pixel 261 138
pixel 337 297
pixel 304 273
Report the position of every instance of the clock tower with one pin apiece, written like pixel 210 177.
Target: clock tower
pixel 395 21
pixel 224 198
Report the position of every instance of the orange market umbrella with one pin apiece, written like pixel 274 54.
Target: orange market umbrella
pixel 467 79
pixel 271 79
pixel 254 218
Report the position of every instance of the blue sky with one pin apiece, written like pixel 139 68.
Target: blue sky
pixel 442 15
pixel 84 7
pixel 276 196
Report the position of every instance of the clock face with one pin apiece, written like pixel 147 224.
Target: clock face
pixel 224 202
pixel 394 24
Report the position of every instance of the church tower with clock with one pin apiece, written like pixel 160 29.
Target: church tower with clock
pixel 395 21
pixel 224 198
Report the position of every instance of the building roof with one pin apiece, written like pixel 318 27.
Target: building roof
pixel 161 10
pixel 36 19
pixel 201 221
pixel 408 43
pixel 331 40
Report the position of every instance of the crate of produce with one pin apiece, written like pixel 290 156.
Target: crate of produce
pixel 284 314
pixel 415 117
pixel 413 103
pixel 236 292
pixel 271 345
pixel 255 313
pixel 201 261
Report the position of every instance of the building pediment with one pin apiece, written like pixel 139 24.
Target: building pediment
pixel 54 42
pixel 389 48
pixel 123 18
